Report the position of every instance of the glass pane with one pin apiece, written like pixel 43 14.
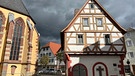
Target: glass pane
pixel 80 39
pixel 16 41
pixel 79 70
pixel 0 20
pixel 99 21
pixel 85 21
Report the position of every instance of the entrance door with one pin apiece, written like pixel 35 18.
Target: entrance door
pixel 79 70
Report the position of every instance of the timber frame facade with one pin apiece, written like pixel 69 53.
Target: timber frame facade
pixel 93 32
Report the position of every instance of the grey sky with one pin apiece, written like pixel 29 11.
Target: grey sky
pixel 51 16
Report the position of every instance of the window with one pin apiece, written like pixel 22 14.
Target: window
pixel 16 40
pixel 49 54
pixel 80 39
pixel 40 55
pixel 91 5
pixel 52 60
pixel 85 21
pixel 99 21
pixel 43 54
pixel 129 43
pixel 128 34
pixel 131 54
pixel 0 20
pixel 79 70
pixel 46 48
pixel 43 49
pixel 107 39
pixel 127 68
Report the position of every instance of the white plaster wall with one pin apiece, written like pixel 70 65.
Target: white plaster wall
pixel 105 47
pixel 90 34
pixel 86 28
pixel 71 29
pixel 116 41
pixel 78 20
pixel 76 48
pixel 107 20
pixel 72 41
pixel 90 40
pixel 89 61
pixel 98 11
pixel 86 11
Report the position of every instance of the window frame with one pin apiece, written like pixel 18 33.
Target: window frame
pixel 101 25
pixel 16 40
pixel 80 41
pixel 128 34
pixel 91 6
pixel 1 21
pixel 107 42
pixel 131 54
pixel 83 22
pixel 128 43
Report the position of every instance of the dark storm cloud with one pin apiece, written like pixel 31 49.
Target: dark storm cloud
pixel 51 16
pixel 121 10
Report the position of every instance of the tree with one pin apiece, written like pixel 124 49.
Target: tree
pixel 60 57
pixel 44 61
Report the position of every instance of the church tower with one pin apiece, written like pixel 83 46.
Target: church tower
pixel 93 43
pixel 18 39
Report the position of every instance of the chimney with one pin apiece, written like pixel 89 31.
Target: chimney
pixel 76 11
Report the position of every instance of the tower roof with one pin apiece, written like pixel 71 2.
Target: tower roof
pixel 14 5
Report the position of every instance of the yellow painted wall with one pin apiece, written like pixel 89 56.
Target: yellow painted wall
pixel 21 68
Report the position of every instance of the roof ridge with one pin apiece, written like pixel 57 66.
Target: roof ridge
pixel 123 31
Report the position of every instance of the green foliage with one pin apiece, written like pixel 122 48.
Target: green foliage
pixel 44 60
pixel 60 56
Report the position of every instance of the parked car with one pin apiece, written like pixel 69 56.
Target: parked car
pixel 52 71
pixel 40 71
pixel 59 72
pixel 44 71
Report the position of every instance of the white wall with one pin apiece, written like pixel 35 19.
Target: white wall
pixel 89 61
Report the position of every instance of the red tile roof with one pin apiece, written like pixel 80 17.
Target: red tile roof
pixel 53 46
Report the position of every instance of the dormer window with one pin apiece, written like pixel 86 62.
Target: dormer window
pixel 85 22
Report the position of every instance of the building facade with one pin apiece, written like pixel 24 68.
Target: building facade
pixel 51 49
pixel 130 55
pixel 18 40
pixel 93 43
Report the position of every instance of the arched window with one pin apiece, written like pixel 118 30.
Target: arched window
pixel 79 70
pixel 0 20
pixel 16 40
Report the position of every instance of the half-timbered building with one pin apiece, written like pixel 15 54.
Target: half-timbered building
pixel 93 43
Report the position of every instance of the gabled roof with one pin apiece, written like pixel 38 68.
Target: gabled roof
pixel 14 5
pixel 130 29
pixel 123 31
pixel 53 46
